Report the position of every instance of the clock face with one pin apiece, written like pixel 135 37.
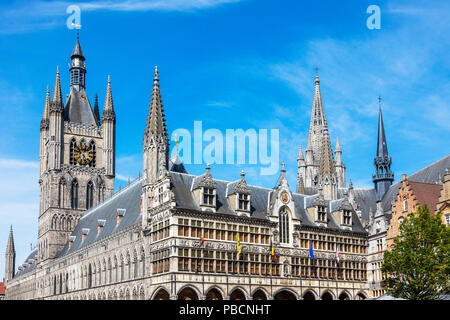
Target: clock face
pixel 284 197
pixel 83 154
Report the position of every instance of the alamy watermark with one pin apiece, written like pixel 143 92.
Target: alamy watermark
pixel 236 146
pixel 374 20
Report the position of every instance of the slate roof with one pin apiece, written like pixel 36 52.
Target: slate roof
pixel 78 108
pixel 127 201
pixel 182 184
pixel 30 259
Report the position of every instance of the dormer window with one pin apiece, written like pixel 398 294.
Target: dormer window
pixel 322 213
pixel 347 217
pixel 208 196
pixel 244 202
pixel 204 188
pixel 119 213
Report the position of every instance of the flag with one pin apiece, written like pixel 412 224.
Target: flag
pixel 273 251
pixel 203 239
pixel 311 252
pixel 337 254
pixel 239 245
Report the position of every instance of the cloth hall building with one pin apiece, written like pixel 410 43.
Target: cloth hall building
pixel 173 235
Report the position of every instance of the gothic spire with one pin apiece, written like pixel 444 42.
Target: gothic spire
pixel 381 145
pixel 57 103
pixel 108 109
pixel 156 123
pixel 383 176
pixel 10 246
pixel 46 114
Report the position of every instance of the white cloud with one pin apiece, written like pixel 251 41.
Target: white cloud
pixel 41 15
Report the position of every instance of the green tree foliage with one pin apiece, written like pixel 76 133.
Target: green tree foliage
pixel 418 266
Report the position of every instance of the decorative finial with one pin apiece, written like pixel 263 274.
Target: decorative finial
pixel 242 174
pixel 207 168
pixel 282 166
pixel 317 75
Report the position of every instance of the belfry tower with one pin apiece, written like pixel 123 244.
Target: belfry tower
pixel 383 176
pixel 77 152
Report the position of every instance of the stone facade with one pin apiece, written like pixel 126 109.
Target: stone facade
pixel 172 235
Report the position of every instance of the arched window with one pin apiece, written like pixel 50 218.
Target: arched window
pixel 73 144
pixel 94 157
pixel 74 194
pixel 101 193
pixel 89 278
pixel 284 225
pixel 61 193
pixel 89 195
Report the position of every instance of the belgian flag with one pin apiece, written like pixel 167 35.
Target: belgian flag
pixel 273 250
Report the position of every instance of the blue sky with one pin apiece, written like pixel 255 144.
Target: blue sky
pixel 232 64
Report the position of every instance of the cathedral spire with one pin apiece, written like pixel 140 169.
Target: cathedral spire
pixel 57 103
pixel 383 176
pixel 10 257
pixel 10 246
pixel 318 120
pixel 46 114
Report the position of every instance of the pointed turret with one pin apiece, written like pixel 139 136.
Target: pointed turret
pixel 156 138
pixel 301 166
pixel 57 101
pixel 10 257
pixel 109 131
pixel 77 53
pixel 326 160
pixel 338 146
pixel 340 167
pixel 46 113
pixel 97 111
pixel 383 176
pixel 56 125
pixel 156 123
pixel 327 172
pixel 108 108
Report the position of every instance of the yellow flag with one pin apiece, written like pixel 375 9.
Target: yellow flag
pixel 239 245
